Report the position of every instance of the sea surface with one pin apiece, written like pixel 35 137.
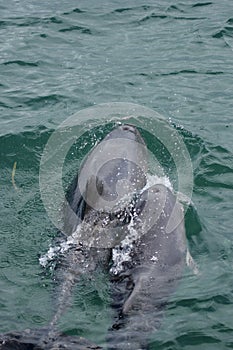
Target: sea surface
pixel 174 57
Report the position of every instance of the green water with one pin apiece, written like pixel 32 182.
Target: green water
pixel 174 57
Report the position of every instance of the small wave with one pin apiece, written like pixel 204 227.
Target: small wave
pixel 81 29
pixel 226 31
pixel 42 101
pixel 4 105
pixel 30 21
pixel 182 71
pixel 201 4
pixel 128 9
pixel 197 338
pixel 76 10
pixel 154 16
pixel 174 8
pixel 212 171
pixel 3 24
pixel 21 63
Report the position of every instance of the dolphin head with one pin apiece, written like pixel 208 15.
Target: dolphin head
pixel 110 175
pixel 114 169
pixel 126 131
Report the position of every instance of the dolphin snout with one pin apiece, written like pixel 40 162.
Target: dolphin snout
pixel 127 127
pixel 126 131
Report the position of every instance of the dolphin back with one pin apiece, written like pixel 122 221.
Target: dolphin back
pixel 158 257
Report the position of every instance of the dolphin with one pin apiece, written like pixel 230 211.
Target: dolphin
pixel 92 246
pixel 119 158
pixel 115 168
pixel 140 290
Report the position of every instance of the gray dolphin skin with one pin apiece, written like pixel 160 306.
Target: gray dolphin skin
pixel 105 175
pixel 143 253
pixel 141 289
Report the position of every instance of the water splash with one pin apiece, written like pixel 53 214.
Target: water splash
pixel 61 248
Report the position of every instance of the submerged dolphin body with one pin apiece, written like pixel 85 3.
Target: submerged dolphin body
pixel 156 251
pixel 142 287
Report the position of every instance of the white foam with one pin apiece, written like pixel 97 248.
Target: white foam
pixel 49 256
pixel 153 180
pixel 60 248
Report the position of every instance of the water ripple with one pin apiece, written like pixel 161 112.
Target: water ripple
pixel 21 63
pixel 164 16
pixel 76 10
pixel 78 28
pixel 201 4
pixel 180 72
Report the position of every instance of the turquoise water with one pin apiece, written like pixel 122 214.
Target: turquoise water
pixel 174 57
